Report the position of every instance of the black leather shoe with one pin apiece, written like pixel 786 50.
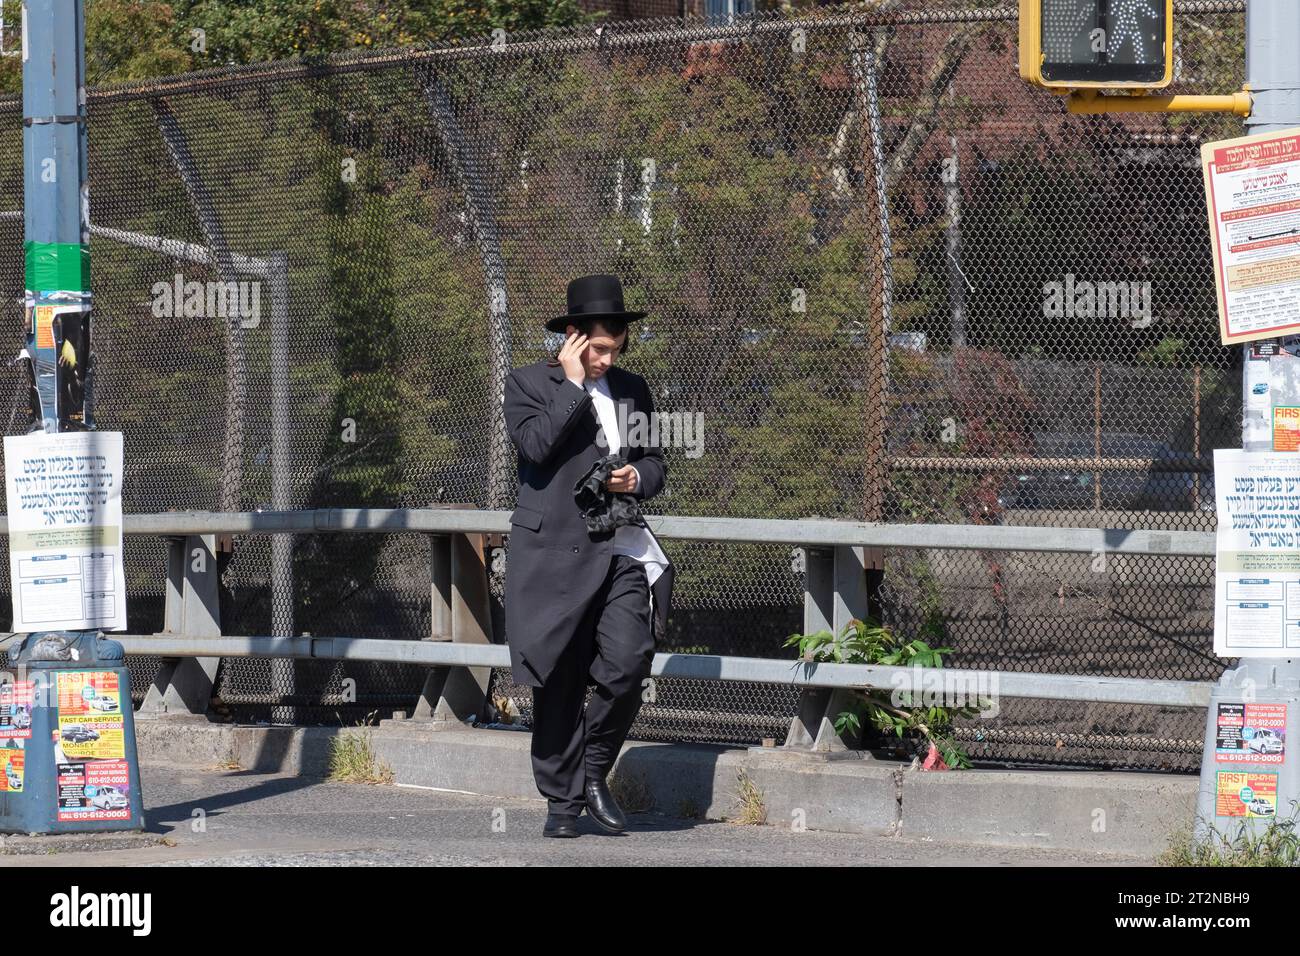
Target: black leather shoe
pixel 602 807
pixel 560 825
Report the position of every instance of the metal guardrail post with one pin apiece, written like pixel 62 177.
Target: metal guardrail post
pixel 184 684
pixel 835 592
pixel 461 613
pixel 440 587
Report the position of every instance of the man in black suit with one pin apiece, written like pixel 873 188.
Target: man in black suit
pixel 579 605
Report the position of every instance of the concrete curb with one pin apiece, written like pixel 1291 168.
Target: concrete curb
pixel 1091 811
pixel 1129 814
pixel 48 844
pixel 197 742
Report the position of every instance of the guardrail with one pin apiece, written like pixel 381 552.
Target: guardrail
pixel 810 531
pixel 838 557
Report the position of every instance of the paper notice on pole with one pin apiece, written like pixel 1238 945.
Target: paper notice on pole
pixel 64 498
pixel 1252 191
pixel 1257 561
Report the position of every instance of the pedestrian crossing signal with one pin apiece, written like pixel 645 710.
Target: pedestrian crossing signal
pixel 1076 44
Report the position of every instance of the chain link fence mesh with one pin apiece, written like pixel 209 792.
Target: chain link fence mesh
pixel 865 245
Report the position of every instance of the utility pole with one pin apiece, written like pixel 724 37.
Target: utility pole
pixel 1273 75
pixel 56 211
pixel 1267 685
pixel 73 687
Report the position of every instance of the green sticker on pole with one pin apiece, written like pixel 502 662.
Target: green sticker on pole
pixel 57 266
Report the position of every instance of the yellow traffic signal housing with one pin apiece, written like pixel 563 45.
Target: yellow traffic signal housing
pixel 1080 44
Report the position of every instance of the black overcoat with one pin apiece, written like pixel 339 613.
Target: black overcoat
pixel 554 564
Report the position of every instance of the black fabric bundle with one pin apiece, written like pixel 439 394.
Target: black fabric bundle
pixel 602 509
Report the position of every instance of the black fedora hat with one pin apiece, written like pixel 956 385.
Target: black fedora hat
pixel 594 297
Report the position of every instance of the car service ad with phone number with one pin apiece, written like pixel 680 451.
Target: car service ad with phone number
pixel 90 747
pixel 1250 733
pixel 90 715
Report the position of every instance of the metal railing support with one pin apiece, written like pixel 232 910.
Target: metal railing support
pixel 835 592
pixel 184 684
pixel 461 613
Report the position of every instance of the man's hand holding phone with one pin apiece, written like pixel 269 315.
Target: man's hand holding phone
pixel 571 358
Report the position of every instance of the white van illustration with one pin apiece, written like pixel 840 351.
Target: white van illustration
pixel 1265 742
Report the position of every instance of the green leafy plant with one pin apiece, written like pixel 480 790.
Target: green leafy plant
pixel 897 714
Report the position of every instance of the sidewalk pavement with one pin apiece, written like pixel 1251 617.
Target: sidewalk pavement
pixel 1068 810
pixel 214 817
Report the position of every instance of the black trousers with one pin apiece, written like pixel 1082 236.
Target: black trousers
pixel 612 651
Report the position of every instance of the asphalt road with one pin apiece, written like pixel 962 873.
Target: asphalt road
pixel 240 818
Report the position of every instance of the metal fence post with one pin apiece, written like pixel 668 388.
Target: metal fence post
pixel 473 181
pixel 232 470
pixel 282 609
pixel 864 55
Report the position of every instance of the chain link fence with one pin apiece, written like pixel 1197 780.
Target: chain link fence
pixel 892 281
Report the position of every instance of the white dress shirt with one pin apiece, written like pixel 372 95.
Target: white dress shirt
pixel 632 540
